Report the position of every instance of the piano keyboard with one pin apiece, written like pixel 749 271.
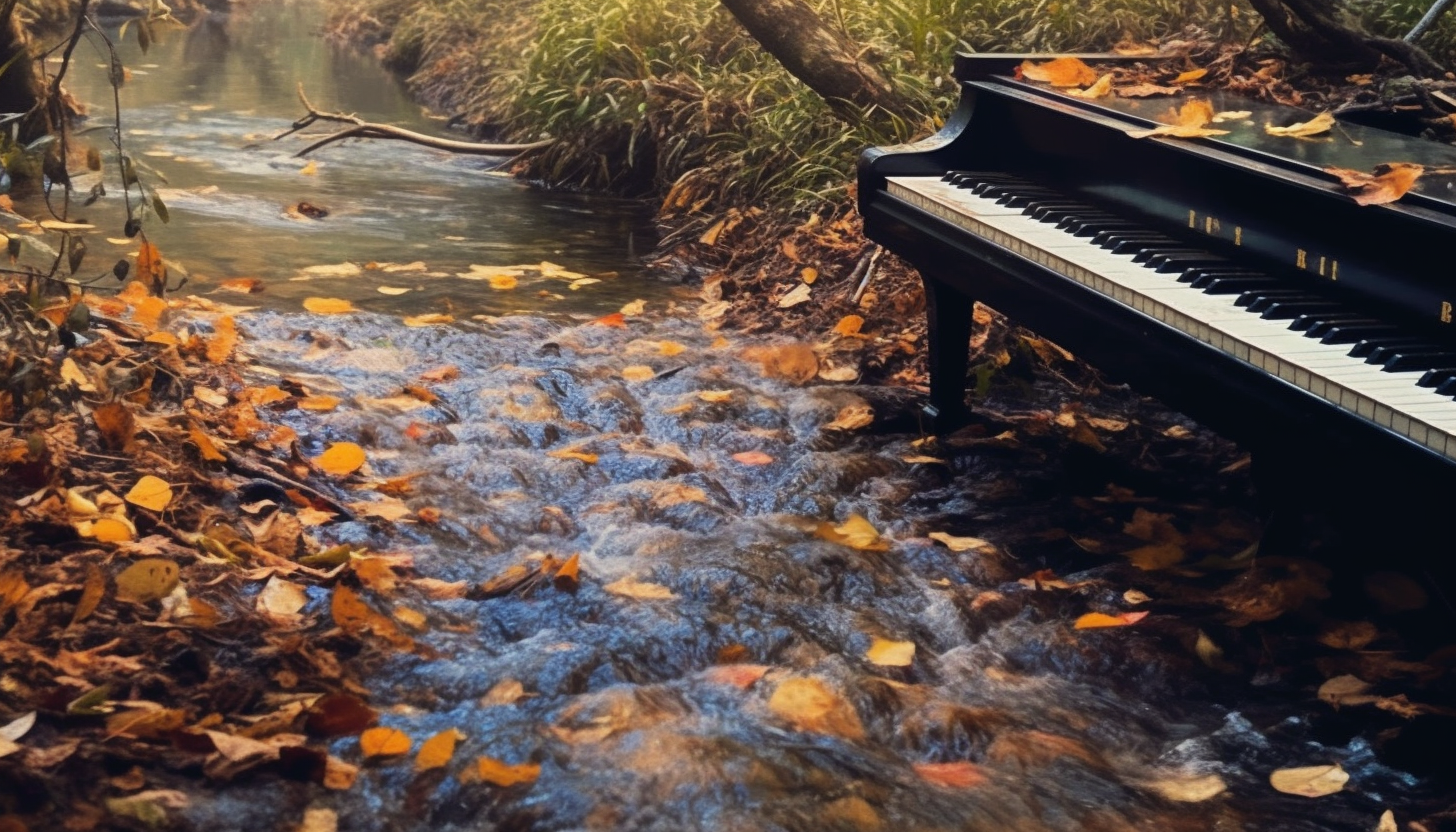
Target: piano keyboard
pixel 1286 332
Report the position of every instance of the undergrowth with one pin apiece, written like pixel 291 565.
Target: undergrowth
pixel 672 99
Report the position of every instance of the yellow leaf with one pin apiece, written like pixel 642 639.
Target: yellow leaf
pixel 221 344
pixel 391 290
pixel 151 493
pixel 636 307
pixel 1059 72
pixel 436 751
pixel 809 275
pixel 715 396
pixel 328 306
pixel 110 530
pixel 670 348
pixel 638 372
pixel 1315 126
pixel 589 459
pixel 1190 76
pixel 963 544
pixel 633 588
pixel 1095 620
pixel 310 169
pixel 753 458
pixel 341 459
pixel 502 281
pixel 429 319
pixel 384 742
pixel 1387 183
pixel 1186 123
pixel 319 404
pixel 1309 781
pixel 205 446
pixel 798 295
pixel 891 653
pixel 856 533
pixel 163 338
pixel 1189 789
pixel 1101 89
pixel 497 773
pixel 147 580
pixel 809 705
pixel 710 237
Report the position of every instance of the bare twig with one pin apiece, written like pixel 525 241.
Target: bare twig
pixel 1427 20
pixel 367 130
pixel 869 272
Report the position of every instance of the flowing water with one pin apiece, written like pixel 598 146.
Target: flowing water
pixel 714 668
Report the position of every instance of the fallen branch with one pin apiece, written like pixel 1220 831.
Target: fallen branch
pixel 362 129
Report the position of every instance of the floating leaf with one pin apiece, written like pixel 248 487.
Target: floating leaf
pixel 391 290
pixel 568 577
pixel 341 459
pixel 310 169
pixel 956 775
pixel 1094 620
pixel 384 742
pixel 753 458
pixel 1189 789
pixel 328 306
pixel 670 348
pixel 319 404
pixel 150 493
pixel 616 319
pixel 638 372
pixel 715 396
pixel 852 417
pixel 962 544
pixel 636 307
pixel 1315 126
pixel 149 579
pixel 502 281
pixel 223 340
pixel 497 773
pixel 632 588
pixel 1310 781
pixel 891 653
pixel 809 705
pixel 856 533
pixel 589 459
pixel 436 751
pixel 242 285
pixel 429 319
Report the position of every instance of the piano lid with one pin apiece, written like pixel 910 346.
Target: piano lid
pixel 1347 145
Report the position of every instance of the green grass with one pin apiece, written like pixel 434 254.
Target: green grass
pixel 671 98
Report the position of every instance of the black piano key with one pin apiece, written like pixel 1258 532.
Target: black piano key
pixel 1054 212
pixel 1436 375
pixel 1149 254
pixel 1349 332
pixel 1111 237
pixel 1260 300
pixel 1406 362
pixel 1198 277
pixel 1020 198
pixel 1305 322
pixel 1232 285
pixel 1174 264
pixel 1365 346
pixel 1447 387
pixel 1090 224
pixel 1288 310
pixel 1384 353
pixel 1131 245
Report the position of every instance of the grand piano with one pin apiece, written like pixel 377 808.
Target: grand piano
pixel 1231 277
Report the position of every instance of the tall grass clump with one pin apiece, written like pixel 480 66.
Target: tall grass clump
pixel 672 99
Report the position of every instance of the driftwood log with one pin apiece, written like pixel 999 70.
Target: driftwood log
pixel 361 129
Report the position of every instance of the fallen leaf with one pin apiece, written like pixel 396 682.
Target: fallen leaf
pixel 1059 72
pixel 1188 122
pixel 497 773
pixel 149 579
pixel 799 294
pixel 856 533
pixel 341 459
pixel 436 751
pixel 281 598
pixel 852 417
pixel 580 456
pixel 116 424
pixel 955 775
pixel 310 169
pixel 429 319
pixel 384 742
pixel 891 653
pixel 224 339
pixel 1346 690
pixel 1315 126
pixel 638 372
pixel 392 291
pixel 715 396
pixel 1145 90
pixel 849 325
pixel 504 692
pixel 636 307
pixel 150 493
pixel 110 530
pixel 809 274
pixel 616 319
pixel 670 348
pixel 1190 76
pixel 318 819
pixel 632 588
pixel 1094 620
pixel 18 727
pixel 1189 789
pixel 1387 822
pixel 338 715
pixel 502 281
pixel 1100 89
pixel 741 676
pixel 963 544
pixel 753 458
pixel 319 403
pixel 1386 184
pixel 808 704
pixel 242 285
pixel 1310 781
pixel 328 306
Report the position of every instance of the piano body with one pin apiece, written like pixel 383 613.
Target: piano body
pixel 1230 277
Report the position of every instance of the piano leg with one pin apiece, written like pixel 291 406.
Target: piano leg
pixel 949 318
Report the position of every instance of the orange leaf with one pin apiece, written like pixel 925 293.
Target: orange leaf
pixel 957 775
pixel 614 319
pixel 1060 72
pixel 753 458
pixel 1187 123
pixel 341 459
pixel 449 372
pixel 436 751
pixel 148 312
pixel 242 285
pixel 1386 184
pixel 849 325
pixel 1093 620
pixel 589 459
pixel 1190 76
pixel 740 676
pixel 568 576
pixel 384 742
pixel 319 404
pixel 221 344
pixel 149 265
pixel 206 448
pixel 328 306
pixel 498 773
pixel 150 492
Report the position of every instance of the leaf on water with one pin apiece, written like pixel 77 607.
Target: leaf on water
pixel 852 417
pixel 334 270
pixel 1231 115
pixel 955 775
pixel 223 340
pixel 1194 789
pixel 630 587
pixel 1386 184
pixel 1095 620
pixel 616 319
pixel 429 319
pixel 808 704
pixel 1310 781
pixel 670 348
pixel 1315 126
pixel 889 653
pixel 963 544
pixel 1101 88
pixel 799 294
pixel 150 493
pixel 795 363
pixel 242 285
pixel 1346 690
pixel 849 325
pixel 505 775
pixel 384 742
pixel 1188 122
pixel 636 307
pixel 436 751
pixel 341 459
pixel 856 533
pixel 148 312
pixel 741 676
pixel 353 615
pixel 281 598
pixel 568 577
pixel 319 403
pixel 1146 90
pixel 589 459
pixel 149 579
pixel 338 715
pixel 1190 76
pixel 1059 72
pixel 328 306
pixel 638 372
pixel 391 290
pixel 753 458
pixel 310 169
pixel 1156 556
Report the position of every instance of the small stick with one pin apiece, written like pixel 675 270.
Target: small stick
pixel 869 273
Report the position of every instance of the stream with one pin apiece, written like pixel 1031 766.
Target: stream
pixel 721 665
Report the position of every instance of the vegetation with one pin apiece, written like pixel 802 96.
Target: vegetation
pixel 671 97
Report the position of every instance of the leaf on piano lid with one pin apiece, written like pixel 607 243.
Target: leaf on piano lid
pixel 1186 123
pixel 1145 90
pixel 1387 183
pixel 1135 50
pixel 1190 76
pixel 1059 72
pixel 1315 126
pixel 1231 115
pixel 1101 89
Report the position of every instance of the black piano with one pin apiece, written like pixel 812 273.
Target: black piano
pixel 1231 277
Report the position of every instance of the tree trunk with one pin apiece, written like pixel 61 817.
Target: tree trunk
pixel 21 88
pixel 1309 28
pixel 793 32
